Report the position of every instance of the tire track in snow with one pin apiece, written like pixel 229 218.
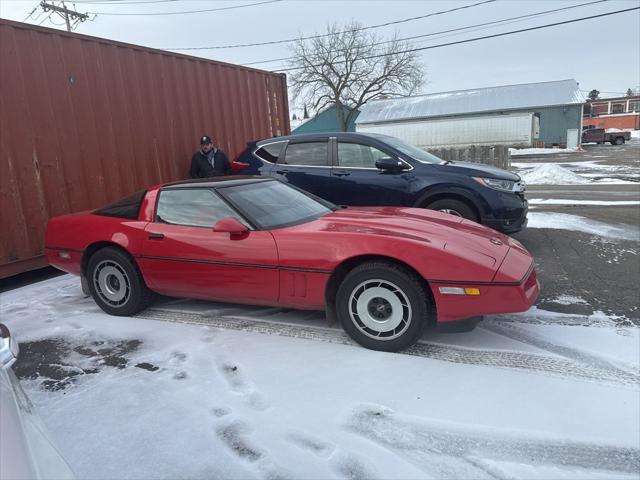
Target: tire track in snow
pixel 515 332
pixel 455 451
pixel 529 362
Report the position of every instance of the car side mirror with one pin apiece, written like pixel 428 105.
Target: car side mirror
pixel 230 225
pixel 8 347
pixel 391 164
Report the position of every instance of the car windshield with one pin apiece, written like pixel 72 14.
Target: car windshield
pixel 414 152
pixel 273 204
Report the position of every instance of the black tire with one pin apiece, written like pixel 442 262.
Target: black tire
pixel 112 273
pixel 459 326
pixel 454 207
pixel 619 141
pixel 599 143
pixel 409 303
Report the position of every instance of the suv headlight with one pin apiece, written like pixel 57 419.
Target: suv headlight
pixel 496 184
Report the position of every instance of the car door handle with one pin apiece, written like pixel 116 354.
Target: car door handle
pixel 342 173
pixel 282 171
pixel 156 236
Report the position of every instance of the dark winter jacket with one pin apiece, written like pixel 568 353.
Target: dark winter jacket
pixel 201 164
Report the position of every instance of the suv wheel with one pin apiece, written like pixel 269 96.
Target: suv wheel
pixel 454 207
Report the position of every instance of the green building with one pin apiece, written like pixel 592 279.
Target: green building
pixel 325 121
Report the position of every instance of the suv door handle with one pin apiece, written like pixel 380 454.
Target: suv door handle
pixel 156 236
pixel 342 173
pixel 282 171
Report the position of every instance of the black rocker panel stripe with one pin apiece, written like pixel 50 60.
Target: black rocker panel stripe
pixel 237 264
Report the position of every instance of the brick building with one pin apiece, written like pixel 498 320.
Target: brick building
pixel 616 112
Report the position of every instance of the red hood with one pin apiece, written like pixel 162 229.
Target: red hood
pixel 436 228
pixel 438 231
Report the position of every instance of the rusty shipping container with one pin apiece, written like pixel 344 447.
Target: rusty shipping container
pixel 85 121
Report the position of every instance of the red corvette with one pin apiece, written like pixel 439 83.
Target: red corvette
pixel 385 272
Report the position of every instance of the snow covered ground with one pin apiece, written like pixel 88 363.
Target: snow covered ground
pixel 577 223
pixel 540 151
pixel 202 390
pixel 576 173
pixel 597 165
pixel 552 173
pixel 576 202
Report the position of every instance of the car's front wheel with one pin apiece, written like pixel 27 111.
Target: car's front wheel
pixel 115 283
pixel 383 306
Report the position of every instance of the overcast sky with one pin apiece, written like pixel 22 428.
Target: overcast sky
pixel 602 53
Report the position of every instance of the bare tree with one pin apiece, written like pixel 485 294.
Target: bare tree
pixel 349 67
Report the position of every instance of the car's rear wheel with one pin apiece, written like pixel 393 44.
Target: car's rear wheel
pixel 619 141
pixel 115 283
pixel 383 306
pixel 454 207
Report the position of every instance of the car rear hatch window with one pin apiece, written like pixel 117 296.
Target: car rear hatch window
pixel 128 207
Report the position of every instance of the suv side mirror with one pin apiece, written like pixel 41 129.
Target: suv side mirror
pixel 8 347
pixel 391 164
pixel 230 225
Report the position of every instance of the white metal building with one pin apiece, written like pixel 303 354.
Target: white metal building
pixel 541 114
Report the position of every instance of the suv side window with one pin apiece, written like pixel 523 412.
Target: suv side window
pixel 357 155
pixel 306 154
pixel 192 207
pixel 270 152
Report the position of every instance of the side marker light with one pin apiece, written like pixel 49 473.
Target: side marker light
pixel 459 291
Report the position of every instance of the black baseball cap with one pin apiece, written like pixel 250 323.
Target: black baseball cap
pixel 205 140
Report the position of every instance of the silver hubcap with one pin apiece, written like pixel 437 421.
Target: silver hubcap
pixel 112 283
pixel 380 309
pixel 450 212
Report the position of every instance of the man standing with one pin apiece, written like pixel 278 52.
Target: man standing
pixel 209 161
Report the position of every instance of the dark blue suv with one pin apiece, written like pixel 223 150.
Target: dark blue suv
pixel 372 169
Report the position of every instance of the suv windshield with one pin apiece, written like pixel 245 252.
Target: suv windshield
pixel 273 204
pixel 414 152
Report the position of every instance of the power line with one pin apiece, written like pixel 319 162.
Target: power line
pixel 186 12
pixel 411 50
pixel 43 20
pixel 545 12
pixel 122 2
pixel 289 40
pixel 30 14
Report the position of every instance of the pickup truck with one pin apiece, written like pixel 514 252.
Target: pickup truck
pixel 600 135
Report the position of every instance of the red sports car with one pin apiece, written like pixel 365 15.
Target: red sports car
pixel 385 272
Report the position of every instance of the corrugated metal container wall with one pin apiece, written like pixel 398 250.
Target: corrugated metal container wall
pixel 85 121
pixel 513 129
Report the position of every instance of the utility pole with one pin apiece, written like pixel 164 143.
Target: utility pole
pixel 65 13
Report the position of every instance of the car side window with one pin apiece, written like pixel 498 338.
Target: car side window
pixel 270 152
pixel 357 155
pixel 306 154
pixel 192 207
